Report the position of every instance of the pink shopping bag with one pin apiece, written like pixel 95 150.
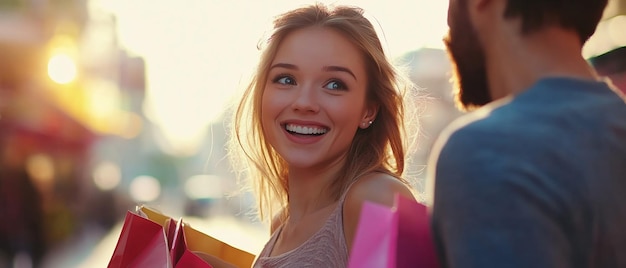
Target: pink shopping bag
pixel 399 236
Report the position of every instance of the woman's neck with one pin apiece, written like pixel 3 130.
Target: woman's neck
pixel 310 188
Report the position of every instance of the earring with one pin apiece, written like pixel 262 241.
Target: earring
pixel 365 125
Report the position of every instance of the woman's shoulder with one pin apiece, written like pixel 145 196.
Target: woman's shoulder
pixel 376 187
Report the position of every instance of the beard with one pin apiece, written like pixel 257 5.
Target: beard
pixel 467 56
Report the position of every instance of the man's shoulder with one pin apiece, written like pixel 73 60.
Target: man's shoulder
pixel 501 135
pixel 482 127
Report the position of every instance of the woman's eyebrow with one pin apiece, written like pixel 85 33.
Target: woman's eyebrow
pixel 331 68
pixel 339 69
pixel 284 65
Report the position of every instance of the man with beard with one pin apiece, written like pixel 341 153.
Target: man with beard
pixel 536 175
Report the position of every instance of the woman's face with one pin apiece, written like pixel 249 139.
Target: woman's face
pixel 315 97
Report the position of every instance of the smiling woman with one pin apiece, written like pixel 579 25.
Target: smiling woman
pixel 320 130
pixel 194 63
pixel 314 71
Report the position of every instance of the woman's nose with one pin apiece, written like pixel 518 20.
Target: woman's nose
pixel 305 99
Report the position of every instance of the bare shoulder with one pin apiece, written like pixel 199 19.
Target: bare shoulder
pixel 376 187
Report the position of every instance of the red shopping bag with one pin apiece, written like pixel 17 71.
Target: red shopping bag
pixel 177 245
pixel 183 256
pixel 393 237
pixel 142 243
pixel 208 248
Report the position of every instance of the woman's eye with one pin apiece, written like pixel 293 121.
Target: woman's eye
pixel 336 85
pixel 285 80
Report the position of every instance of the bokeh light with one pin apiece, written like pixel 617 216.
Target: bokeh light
pixel 41 169
pixel 204 187
pixel 107 175
pixel 145 189
pixel 62 69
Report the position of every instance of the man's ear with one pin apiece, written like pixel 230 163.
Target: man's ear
pixel 480 5
pixel 486 16
pixel 481 11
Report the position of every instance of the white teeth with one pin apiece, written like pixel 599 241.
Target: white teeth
pixel 305 130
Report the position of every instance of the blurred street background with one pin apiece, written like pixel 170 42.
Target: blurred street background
pixel 109 104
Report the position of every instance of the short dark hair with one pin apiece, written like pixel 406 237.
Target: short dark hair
pixel 581 16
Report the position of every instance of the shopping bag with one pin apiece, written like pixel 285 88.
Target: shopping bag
pixel 399 236
pixel 183 256
pixel 203 245
pixel 206 247
pixel 151 239
pixel 142 243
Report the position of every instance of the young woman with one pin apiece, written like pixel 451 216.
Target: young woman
pixel 321 129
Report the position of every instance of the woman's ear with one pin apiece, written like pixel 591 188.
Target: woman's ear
pixel 369 116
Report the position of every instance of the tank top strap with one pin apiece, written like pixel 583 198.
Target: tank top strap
pixel 342 198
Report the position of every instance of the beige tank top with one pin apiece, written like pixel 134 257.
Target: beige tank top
pixel 326 248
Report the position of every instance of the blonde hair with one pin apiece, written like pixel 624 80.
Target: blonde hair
pixel 382 147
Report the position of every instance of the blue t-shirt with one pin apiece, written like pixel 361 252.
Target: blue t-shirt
pixel 537 180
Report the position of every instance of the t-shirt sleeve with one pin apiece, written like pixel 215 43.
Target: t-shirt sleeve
pixel 491 209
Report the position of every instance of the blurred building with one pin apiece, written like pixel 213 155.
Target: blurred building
pixel 606 50
pixel 62 79
pixel 612 64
